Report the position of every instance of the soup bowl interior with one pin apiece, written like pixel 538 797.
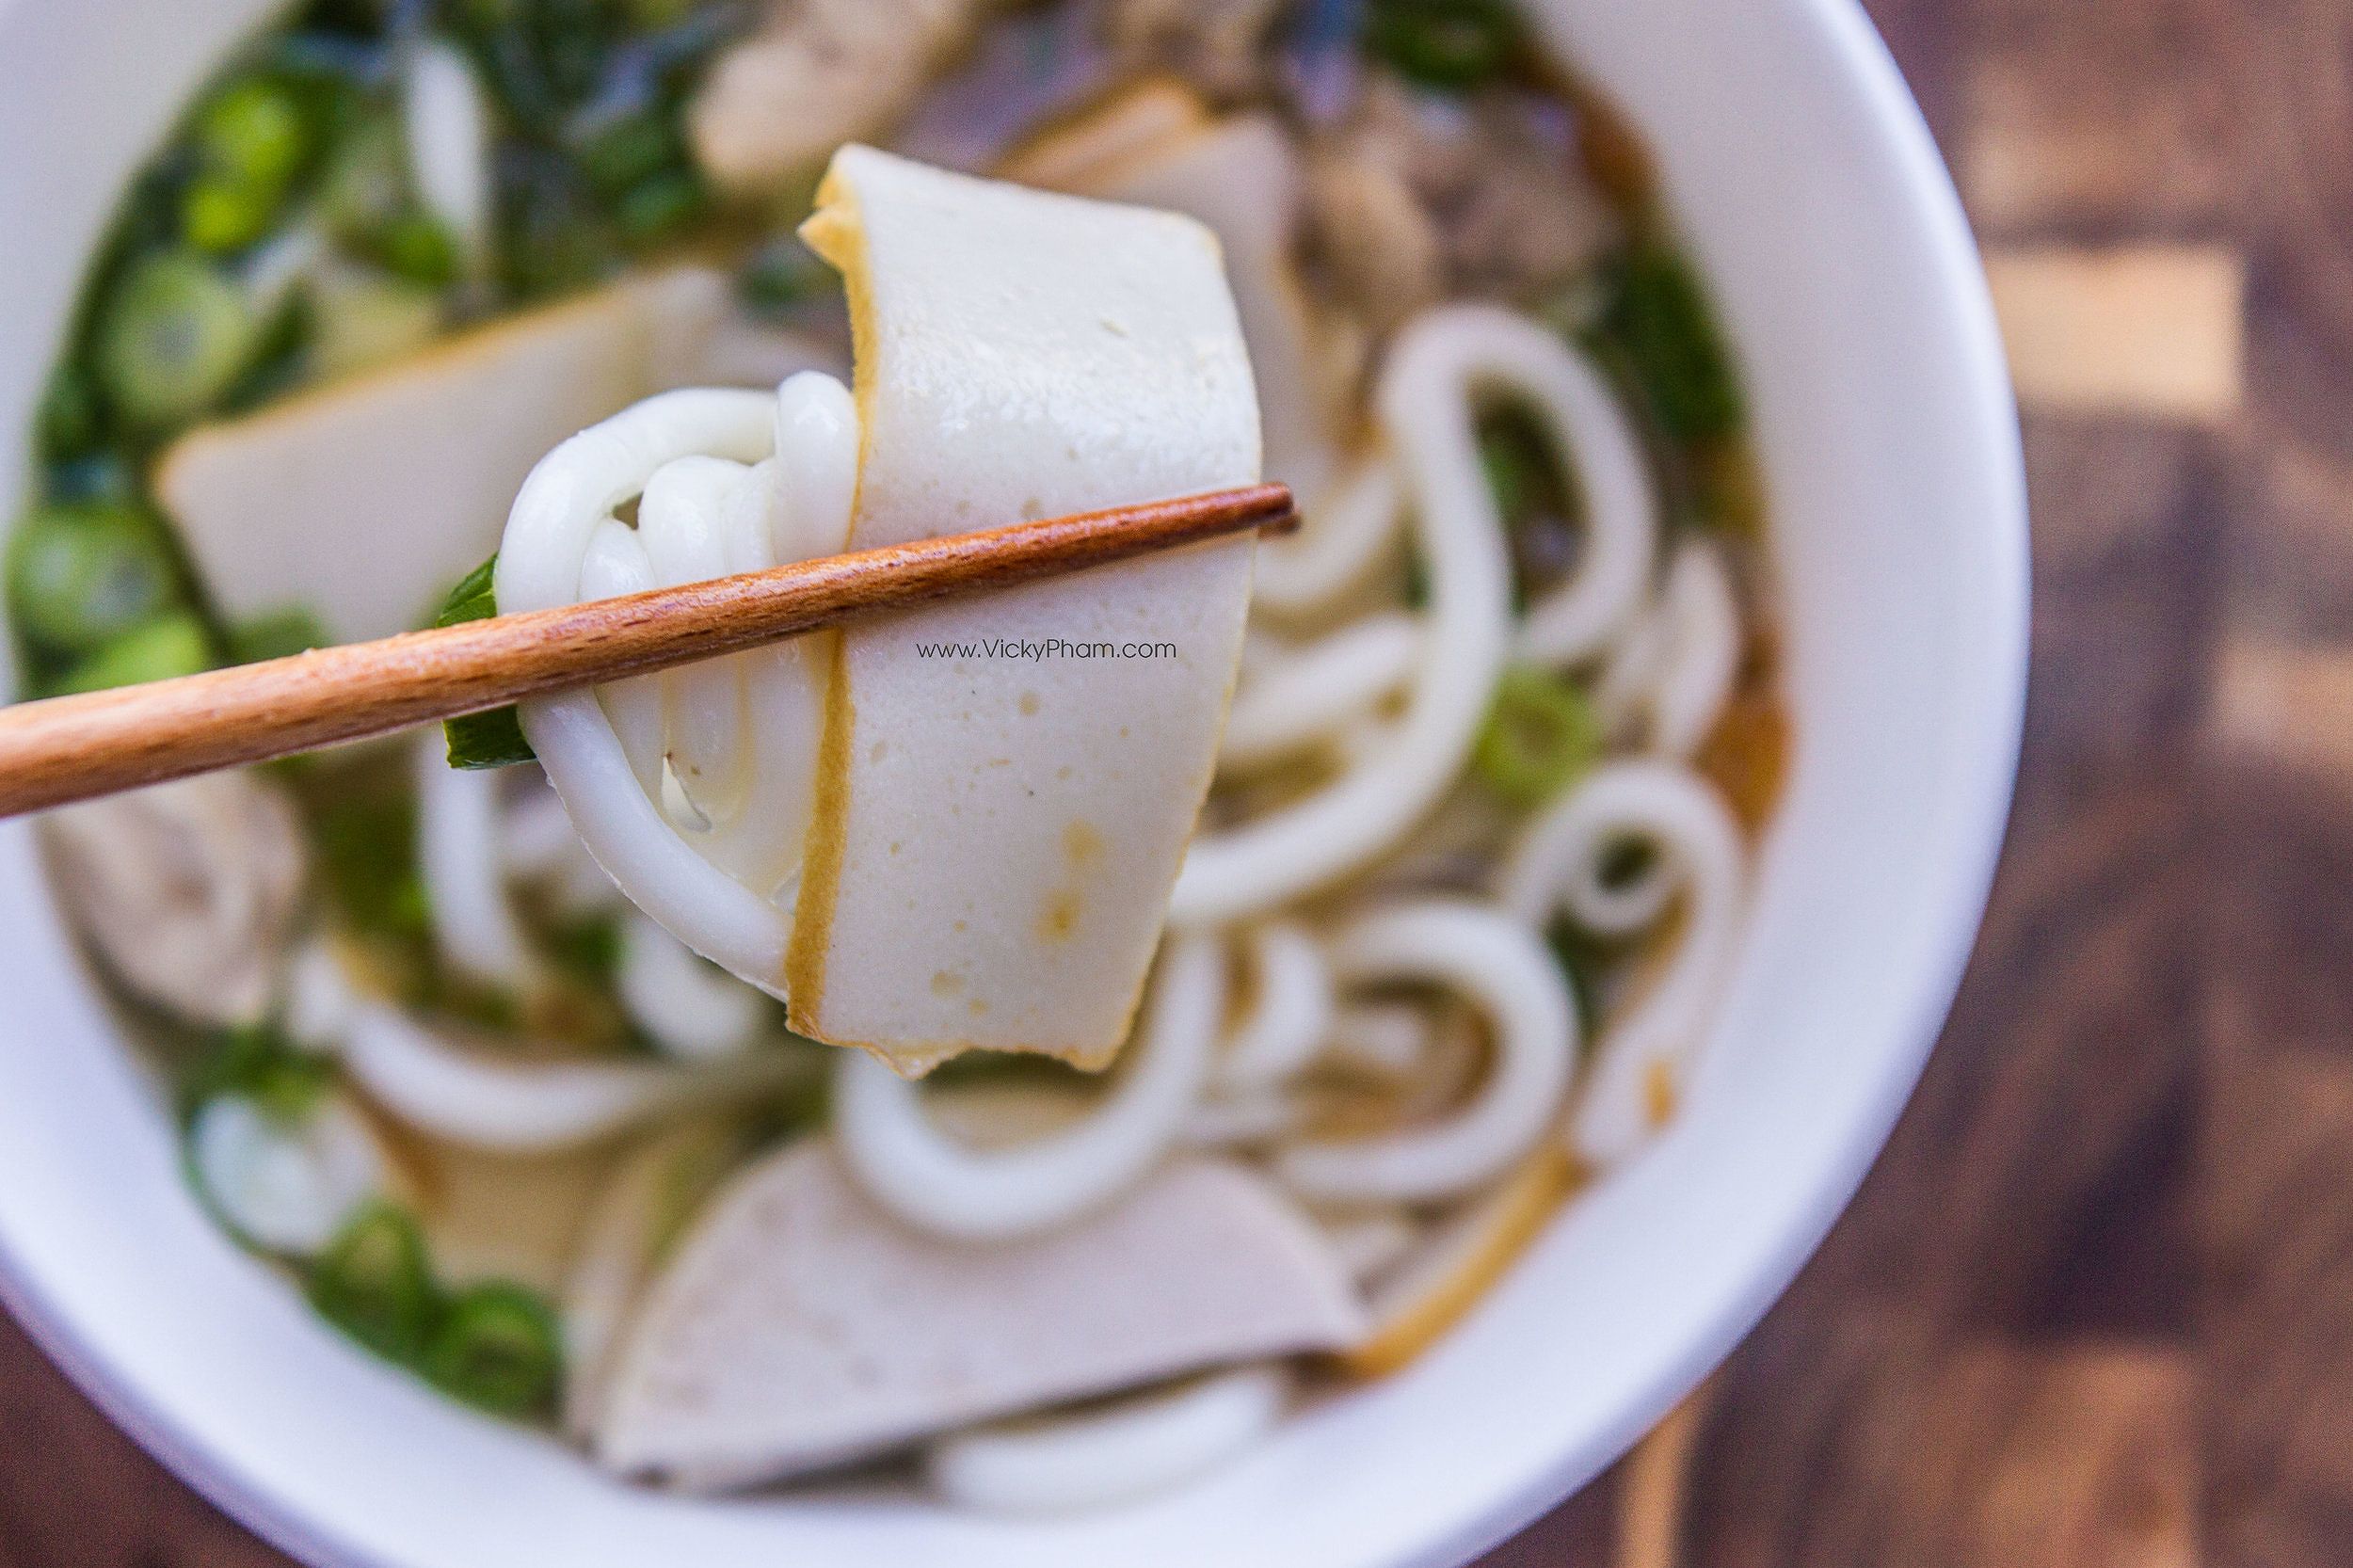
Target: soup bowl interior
pixel 1811 193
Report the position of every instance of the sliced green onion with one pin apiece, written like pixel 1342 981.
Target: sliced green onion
pixel 250 143
pixel 219 214
pixel 419 247
pixel 255 131
pixel 373 1283
pixel 173 339
pixel 497 1347
pixel 1541 735
pixel 83 574
pixel 495 738
pixel 1452 45
pixel 258 1064
pixel 1659 316
pixel 174 644
pixel 68 422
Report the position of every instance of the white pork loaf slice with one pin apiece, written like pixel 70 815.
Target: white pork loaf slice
pixel 1157 144
pixel 800 1326
pixel 364 498
pixel 1006 785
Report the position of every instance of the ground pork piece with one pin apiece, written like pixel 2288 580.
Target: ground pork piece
pixel 1216 44
pixel 1374 241
pixel 1498 179
pixel 815 74
pixel 186 890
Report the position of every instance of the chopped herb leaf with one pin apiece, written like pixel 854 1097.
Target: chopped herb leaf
pixel 1659 316
pixel 498 1348
pixel 258 1064
pixel 1451 45
pixel 494 739
pixel 373 1283
pixel 1541 736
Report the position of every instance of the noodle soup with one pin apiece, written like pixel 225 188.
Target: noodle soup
pixel 1468 878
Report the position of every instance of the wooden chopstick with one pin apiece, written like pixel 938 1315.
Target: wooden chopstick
pixel 70 748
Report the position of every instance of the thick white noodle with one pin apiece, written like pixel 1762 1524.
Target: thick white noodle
pixel 1669 676
pixel 467 1098
pixel 1697 851
pixel 1506 971
pixel 1290 1012
pixel 617 564
pixel 562 541
pixel 1425 395
pixel 907 1163
pixel 458 829
pixel 287 1187
pixel 1110 1454
pixel 448 130
pixel 318 1000
pixel 693 1009
pixel 682 523
pixel 1562 859
pixel 1301 696
pixel 1344 531
pixel 1575 621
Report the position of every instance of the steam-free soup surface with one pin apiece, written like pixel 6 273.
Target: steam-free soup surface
pixel 1452 922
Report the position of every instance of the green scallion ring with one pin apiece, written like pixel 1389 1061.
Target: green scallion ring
pixel 173 338
pixel 373 1283
pixel 1541 735
pixel 498 1348
pixel 83 573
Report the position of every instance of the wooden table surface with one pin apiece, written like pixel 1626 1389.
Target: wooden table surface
pixel 2094 1306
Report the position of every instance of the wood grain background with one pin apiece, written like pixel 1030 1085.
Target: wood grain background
pixel 2094 1306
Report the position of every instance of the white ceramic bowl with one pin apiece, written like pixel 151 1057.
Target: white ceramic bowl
pixel 1805 179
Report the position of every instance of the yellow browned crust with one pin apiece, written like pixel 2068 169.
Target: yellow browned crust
pixel 1517 1216
pixel 821 856
pixel 429 361
pixel 835 232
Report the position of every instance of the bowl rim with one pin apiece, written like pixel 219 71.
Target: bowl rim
pixel 1933 204
pixel 2001 688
